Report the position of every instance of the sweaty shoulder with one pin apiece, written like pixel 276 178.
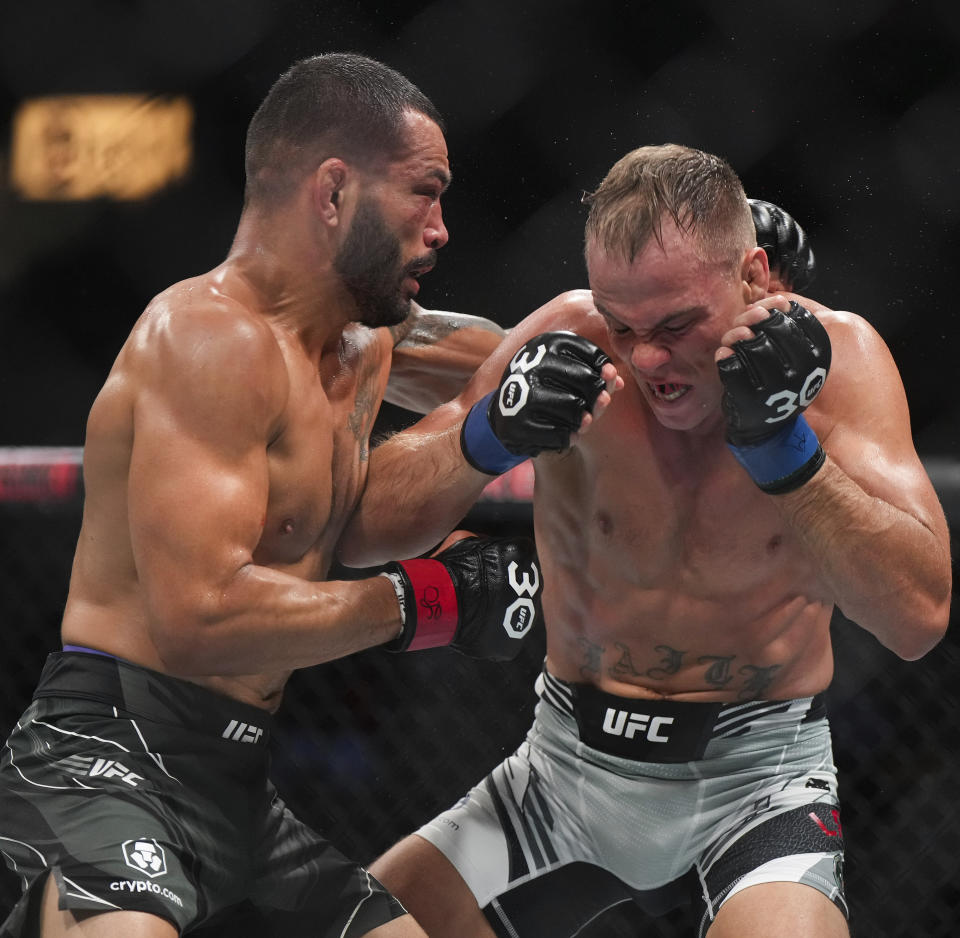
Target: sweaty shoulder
pixel 850 334
pixel 204 348
pixel 573 311
pixel 863 374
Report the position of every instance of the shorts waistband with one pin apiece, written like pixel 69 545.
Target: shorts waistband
pixel 667 730
pixel 152 695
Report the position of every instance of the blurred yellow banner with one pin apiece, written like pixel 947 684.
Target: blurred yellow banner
pixel 75 147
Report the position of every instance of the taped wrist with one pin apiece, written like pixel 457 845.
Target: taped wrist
pixel 428 604
pixel 480 445
pixel 784 461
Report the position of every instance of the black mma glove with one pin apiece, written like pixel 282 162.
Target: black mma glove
pixel 767 384
pixel 541 400
pixel 786 244
pixel 480 596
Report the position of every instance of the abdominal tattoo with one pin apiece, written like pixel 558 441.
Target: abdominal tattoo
pixel 718 671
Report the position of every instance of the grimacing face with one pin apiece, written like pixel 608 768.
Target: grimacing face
pixel 666 313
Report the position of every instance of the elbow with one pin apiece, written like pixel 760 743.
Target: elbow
pixel 352 551
pixel 923 630
pixel 182 630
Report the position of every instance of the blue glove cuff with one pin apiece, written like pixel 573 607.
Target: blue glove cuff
pixel 480 445
pixel 785 461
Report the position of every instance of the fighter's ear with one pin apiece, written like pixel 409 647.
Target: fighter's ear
pixel 329 179
pixel 755 275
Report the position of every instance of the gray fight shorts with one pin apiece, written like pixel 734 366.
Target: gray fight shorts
pixel 613 800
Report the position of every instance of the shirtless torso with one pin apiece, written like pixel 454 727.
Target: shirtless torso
pixel 305 457
pixel 669 573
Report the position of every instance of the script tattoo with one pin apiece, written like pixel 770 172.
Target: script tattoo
pixel 669 663
pixel 591 664
pixel 758 680
pixel 718 674
pixel 624 667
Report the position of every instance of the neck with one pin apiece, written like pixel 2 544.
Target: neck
pixel 290 276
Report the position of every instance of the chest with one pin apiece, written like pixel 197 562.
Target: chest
pixel 317 464
pixel 660 510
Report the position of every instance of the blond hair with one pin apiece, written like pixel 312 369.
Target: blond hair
pixel 700 192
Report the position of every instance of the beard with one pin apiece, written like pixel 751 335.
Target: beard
pixel 370 265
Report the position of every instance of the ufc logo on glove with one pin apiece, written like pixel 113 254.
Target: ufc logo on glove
pixel 521 613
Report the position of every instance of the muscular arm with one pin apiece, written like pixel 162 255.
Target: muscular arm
pixel 419 485
pixel 871 516
pixel 434 355
pixel 210 397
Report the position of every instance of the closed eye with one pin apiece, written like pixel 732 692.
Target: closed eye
pixel 677 329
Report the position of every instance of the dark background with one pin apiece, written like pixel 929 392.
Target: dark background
pixel 847 115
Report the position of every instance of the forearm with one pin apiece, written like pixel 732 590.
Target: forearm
pixel 267 620
pixel 420 486
pixel 436 356
pixel 885 568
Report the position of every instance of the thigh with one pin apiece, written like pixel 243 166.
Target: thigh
pixel 797 854
pixel 403 927
pixel 512 858
pixel 84 814
pixel 428 884
pixel 55 922
pixel 302 880
pixel 779 910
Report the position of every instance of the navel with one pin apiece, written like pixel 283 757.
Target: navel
pixel 773 545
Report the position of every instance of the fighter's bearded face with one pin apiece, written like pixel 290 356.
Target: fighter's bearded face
pixel 371 266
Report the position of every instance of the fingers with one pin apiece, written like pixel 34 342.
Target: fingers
pixel 741 330
pixel 613 383
pixel 452 539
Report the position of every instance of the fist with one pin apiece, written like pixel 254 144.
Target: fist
pixel 550 384
pixel 480 596
pixel 773 377
pixel 544 392
pixel 787 246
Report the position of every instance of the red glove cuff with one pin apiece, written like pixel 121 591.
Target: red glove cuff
pixel 435 601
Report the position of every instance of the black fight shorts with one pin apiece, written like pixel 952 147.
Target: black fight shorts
pixel 137 791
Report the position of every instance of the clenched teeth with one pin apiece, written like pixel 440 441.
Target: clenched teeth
pixel 670 391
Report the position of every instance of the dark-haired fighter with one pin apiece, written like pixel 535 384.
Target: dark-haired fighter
pixel 223 457
pixel 756 471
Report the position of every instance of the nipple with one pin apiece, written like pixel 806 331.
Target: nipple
pixel 286 526
pixel 604 522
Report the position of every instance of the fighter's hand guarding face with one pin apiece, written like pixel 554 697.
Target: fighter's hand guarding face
pixel 773 363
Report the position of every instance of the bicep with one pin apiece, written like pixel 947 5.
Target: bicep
pixel 195 509
pixel 198 487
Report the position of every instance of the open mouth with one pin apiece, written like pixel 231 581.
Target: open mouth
pixel 669 392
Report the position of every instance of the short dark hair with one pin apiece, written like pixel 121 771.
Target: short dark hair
pixel 337 104
pixel 698 190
